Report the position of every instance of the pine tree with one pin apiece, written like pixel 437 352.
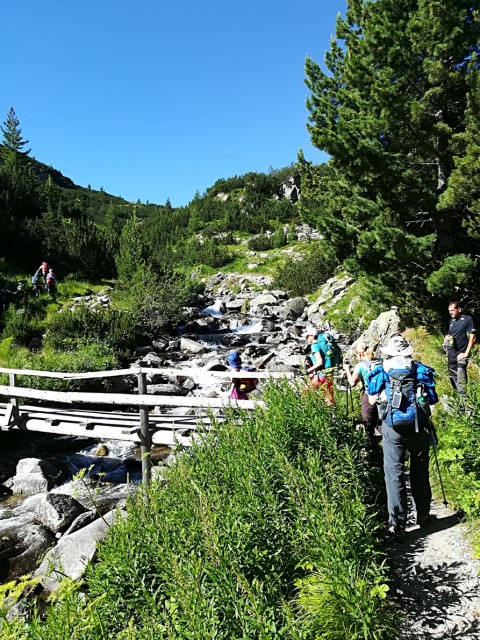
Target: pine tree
pixel 388 108
pixel 12 148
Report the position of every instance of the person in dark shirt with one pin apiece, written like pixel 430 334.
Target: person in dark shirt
pixel 459 342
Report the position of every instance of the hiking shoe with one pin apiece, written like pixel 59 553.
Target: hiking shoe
pixel 397 533
pixel 423 519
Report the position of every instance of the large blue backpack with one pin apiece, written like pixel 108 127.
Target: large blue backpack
pixel 331 352
pixel 409 389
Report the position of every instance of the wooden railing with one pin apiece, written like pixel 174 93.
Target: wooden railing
pixel 16 416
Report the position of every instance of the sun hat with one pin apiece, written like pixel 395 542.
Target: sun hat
pixel 234 359
pixel 397 345
pixel 310 331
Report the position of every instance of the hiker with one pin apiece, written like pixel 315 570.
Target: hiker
pixel 458 344
pixel 240 387
pixel 51 281
pixel 36 284
pixel 365 363
pixel 317 362
pixel 43 271
pixel 402 387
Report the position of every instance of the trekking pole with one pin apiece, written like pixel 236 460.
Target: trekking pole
pixel 433 436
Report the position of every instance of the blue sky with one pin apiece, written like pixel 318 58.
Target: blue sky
pixel 152 99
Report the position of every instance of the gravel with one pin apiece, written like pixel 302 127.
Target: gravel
pixel 436 580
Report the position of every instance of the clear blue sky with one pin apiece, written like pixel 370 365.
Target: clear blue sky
pixel 157 99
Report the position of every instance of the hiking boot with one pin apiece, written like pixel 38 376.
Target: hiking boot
pixel 397 533
pixel 423 519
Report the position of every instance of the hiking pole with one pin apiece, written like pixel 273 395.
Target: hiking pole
pixel 434 440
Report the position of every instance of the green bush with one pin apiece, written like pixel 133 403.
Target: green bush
pixel 116 329
pixel 22 325
pixel 263 531
pixel 300 277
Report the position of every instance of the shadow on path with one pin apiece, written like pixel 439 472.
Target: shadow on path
pixel 433 582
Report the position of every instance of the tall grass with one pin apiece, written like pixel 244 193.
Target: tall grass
pixel 263 531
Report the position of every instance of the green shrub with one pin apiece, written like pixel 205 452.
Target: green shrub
pixel 263 531
pixel 303 276
pixel 22 325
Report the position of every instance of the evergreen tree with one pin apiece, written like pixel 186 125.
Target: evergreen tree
pixel 20 191
pixel 388 109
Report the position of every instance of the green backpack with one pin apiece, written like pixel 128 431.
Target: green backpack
pixel 331 352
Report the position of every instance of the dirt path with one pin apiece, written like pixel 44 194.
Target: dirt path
pixel 436 579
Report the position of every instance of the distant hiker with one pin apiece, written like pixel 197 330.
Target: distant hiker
pixel 365 363
pixel 458 343
pixel 37 282
pixel 51 281
pixel 319 363
pixel 43 270
pixel 403 390
pixel 240 387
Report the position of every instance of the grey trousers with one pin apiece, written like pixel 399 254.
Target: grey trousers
pixel 458 372
pixel 396 443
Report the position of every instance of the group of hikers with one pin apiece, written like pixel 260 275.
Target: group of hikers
pixel 44 278
pixel 397 393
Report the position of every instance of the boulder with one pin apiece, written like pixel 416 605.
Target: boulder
pixel 191 346
pixel 262 300
pixel 69 558
pixel 20 548
pixel 296 306
pixel 168 389
pixel 34 475
pixel 81 521
pixel 57 511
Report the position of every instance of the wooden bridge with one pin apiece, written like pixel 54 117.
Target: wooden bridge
pixel 139 426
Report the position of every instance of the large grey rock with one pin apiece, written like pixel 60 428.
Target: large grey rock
pixel 34 475
pixel 191 346
pixel 21 546
pixel 69 558
pixel 381 328
pixel 167 389
pixel 296 306
pixel 262 300
pixel 57 510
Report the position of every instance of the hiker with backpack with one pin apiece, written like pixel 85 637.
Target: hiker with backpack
pixel 324 357
pixel 51 281
pixel 365 363
pixel 43 271
pixel 240 387
pixel 404 389
pixel 458 344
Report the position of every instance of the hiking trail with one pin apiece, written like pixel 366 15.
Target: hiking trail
pixel 436 581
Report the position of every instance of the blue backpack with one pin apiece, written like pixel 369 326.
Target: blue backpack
pixel 331 352
pixel 408 389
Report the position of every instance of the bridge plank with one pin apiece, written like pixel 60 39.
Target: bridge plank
pixel 122 399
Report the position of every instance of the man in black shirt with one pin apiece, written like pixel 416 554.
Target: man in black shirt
pixel 459 342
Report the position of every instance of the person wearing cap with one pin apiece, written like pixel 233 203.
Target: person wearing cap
pixel 397 441
pixel 458 343
pixel 318 380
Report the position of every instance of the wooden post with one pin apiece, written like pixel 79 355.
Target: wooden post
pixel 14 401
pixel 145 438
